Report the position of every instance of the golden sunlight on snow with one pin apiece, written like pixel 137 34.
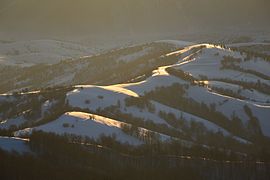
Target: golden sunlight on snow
pixel 99 119
pixel 119 89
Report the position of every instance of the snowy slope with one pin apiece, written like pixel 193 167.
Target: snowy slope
pixel 230 106
pixel 79 66
pixel 78 97
pixel 27 53
pixel 202 61
pixel 134 56
pixel 176 43
pixel 13 122
pixel 249 94
pixel 14 144
pixel 189 118
pixel 88 125
pixel 206 62
pixel 261 66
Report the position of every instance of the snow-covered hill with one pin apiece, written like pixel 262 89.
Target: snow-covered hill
pixel 29 53
pixel 92 126
pixel 195 92
pixel 114 66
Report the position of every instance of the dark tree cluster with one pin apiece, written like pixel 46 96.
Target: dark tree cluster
pixel 259 86
pixel 29 106
pixel 228 92
pixel 147 136
pixel 189 105
pixel 181 74
pixel 65 157
pixel 140 102
pixel 251 54
pixel 230 62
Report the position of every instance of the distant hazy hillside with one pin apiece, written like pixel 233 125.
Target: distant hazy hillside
pixel 130 15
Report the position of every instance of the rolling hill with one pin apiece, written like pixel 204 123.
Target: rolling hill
pixel 205 94
pixel 29 53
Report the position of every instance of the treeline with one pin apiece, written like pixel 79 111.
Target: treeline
pixel 140 102
pixel 147 136
pixel 187 77
pixel 250 131
pixel 251 54
pixel 65 157
pixel 57 157
pixel 29 106
pixel 109 145
pixel 230 62
pixel 182 129
pixel 199 134
pixel 115 113
pixel 181 74
pixel 254 124
pixel 228 92
pixel 259 86
pixel 101 69
pixel 114 66
pixel 178 101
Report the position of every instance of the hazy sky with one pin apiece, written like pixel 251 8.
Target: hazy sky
pixel 133 15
